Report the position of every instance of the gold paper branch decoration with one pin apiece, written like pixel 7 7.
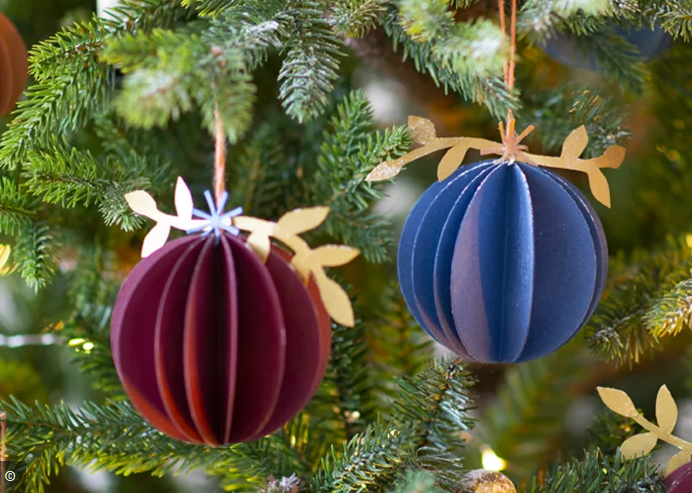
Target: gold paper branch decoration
pixel 423 133
pixel 306 261
pixel 666 416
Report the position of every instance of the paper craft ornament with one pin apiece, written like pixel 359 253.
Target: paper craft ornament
pixel 14 65
pixel 678 469
pixel 649 44
pixel 221 339
pixel 502 261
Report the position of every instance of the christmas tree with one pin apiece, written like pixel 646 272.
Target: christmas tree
pixel 308 98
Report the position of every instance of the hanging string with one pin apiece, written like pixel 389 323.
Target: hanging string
pixel 219 160
pixel 510 140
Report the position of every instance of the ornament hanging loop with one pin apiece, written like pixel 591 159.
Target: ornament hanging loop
pixel 219 160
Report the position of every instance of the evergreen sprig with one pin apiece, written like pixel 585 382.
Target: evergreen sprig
pixel 598 472
pixel 311 62
pixel 348 153
pixel 440 64
pixel 72 177
pixel 355 18
pixel 15 212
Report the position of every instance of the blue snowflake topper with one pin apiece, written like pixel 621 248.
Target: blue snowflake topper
pixel 217 220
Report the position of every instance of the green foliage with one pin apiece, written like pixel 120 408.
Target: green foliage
pixel 348 153
pixel 610 430
pixel 436 403
pixel 527 416
pixel 416 482
pixel 368 460
pixel 618 330
pixel 15 214
pixel 60 176
pixel 355 18
pixel 447 66
pixel 35 253
pixel 597 472
pixel 311 65
pixel 22 381
pixel 563 110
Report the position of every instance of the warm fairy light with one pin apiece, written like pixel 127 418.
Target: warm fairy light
pixel 88 346
pixel 77 341
pixel 491 461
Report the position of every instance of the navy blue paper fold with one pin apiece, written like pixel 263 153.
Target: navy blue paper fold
pixel 502 262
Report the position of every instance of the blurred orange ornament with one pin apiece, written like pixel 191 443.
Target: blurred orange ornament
pixel 14 65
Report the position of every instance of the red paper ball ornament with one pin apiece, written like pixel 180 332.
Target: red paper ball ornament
pixel 680 480
pixel 14 65
pixel 215 342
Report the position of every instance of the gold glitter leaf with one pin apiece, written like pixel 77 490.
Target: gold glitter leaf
pixel 638 445
pixel 666 410
pixel 575 143
pixel 422 130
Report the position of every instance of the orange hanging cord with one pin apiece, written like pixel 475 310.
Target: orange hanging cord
pixel 219 158
pixel 510 140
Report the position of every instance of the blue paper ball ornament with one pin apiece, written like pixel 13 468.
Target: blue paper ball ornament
pixel 650 43
pixel 502 263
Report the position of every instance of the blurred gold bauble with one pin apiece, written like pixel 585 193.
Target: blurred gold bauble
pixel 483 481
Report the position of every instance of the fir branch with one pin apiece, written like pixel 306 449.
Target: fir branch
pixel 311 63
pixel 371 460
pixel 347 155
pixel 35 253
pixel 15 214
pixel 417 481
pixel 597 472
pixel 563 109
pixel 397 345
pixel 68 178
pixel 488 90
pixel 111 437
pixel 677 18
pixel 617 331
pixel 527 417
pixel 616 56
pixel 436 403
pixel 539 20
pixel 610 430
pixel 672 312
pixel 355 18
pixel 73 84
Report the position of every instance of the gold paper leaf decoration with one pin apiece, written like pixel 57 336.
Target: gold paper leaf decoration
pixel 306 262
pixel 423 132
pixel 618 401
pixel 666 414
pixel 336 301
pixel 301 220
pixel 678 460
pixel 666 410
pixel 638 445
pixel 334 255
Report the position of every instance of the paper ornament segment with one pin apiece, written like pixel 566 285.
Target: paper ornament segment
pixel 14 65
pixel 502 262
pixel 215 347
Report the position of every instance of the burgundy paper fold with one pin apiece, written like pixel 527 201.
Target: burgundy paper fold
pixel 215 347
